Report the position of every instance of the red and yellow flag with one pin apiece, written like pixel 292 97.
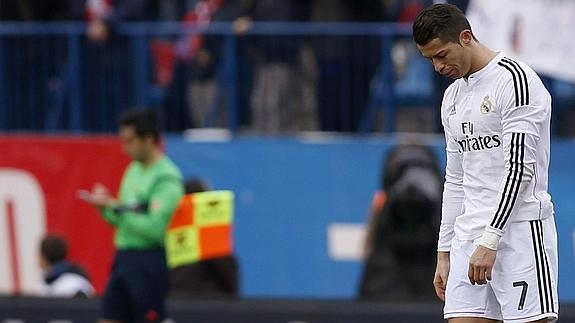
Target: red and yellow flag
pixel 201 228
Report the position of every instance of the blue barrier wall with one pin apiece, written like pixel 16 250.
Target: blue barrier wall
pixel 561 176
pixel 288 191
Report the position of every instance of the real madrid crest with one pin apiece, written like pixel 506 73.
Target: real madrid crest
pixel 485 105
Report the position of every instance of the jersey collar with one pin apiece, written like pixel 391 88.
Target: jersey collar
pixel 475 77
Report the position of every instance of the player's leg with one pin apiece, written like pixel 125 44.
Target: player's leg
pixel 465 302
pixel 525 273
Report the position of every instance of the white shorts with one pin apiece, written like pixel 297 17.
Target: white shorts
pixel 524 278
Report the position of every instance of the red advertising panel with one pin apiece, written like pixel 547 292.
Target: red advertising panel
pixel 39 180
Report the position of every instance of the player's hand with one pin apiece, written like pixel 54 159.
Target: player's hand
pixel 481 265
pixel 441 274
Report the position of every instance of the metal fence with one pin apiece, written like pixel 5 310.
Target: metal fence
pixel 275 78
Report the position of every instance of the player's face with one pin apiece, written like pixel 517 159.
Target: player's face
pixel 449 59
pixel 134 146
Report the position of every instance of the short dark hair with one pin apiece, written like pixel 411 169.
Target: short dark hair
pixel 443 21
pixel 54 248
pixel 144 121
pixel 196 185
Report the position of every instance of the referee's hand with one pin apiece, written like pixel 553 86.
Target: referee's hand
pixel 99 197
pixel 481 265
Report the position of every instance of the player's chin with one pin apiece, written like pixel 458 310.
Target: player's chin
pixel 452 74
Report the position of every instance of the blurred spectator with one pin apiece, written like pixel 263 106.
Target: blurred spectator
pixel 171 10
pixel 413 78
pixel 521 29
pixel 346 64
pixel 30 10
pixel 213 277
pixel 62 277
pixel 108 59
pixel 275 93
pixel 25 63
pixel 189 69
pixel 403 225
pixel 102 15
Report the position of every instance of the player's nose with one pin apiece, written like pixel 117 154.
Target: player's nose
pixel 438 67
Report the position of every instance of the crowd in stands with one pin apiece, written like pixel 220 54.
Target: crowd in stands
pixel 276 83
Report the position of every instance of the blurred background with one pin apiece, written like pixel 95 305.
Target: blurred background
pixel 293 105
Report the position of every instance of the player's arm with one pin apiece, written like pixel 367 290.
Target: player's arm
pixel 441 274
pixel 452 207
pixel 522 117
pixel 163 201
pixel 519 151
pixel 453 195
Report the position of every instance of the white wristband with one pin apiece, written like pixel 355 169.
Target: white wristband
pixel 489 240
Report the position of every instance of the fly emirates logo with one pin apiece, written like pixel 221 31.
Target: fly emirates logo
pixel 476 143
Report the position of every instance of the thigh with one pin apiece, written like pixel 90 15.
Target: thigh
pixel 147 284
pixel 463 300
pixel 115 304
pixel 525 272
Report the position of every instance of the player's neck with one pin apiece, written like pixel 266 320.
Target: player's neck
pixel 482 55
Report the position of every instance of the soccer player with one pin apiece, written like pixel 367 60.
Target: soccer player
pixel 497 249
pixel 149 193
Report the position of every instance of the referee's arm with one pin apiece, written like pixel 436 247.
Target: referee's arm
pixel 163 201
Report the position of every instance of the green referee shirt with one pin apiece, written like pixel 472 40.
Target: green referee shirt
pixel 158 188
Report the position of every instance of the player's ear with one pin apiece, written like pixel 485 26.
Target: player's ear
pixel 465 37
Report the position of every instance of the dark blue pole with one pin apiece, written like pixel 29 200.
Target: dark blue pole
pixel 3 99
pixel 75 80
pixel 231 59
pixel 140 70
pixel 388 78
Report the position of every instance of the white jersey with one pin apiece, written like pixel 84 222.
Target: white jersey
pixel 69 285
pixel 496 124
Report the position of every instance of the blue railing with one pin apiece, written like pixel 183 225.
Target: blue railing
pixel 53 79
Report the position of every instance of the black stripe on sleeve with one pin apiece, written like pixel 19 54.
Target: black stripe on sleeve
pixel 521 166
pixel 509 182
pixel 522 75
pixel 514 81
pixel 520 80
